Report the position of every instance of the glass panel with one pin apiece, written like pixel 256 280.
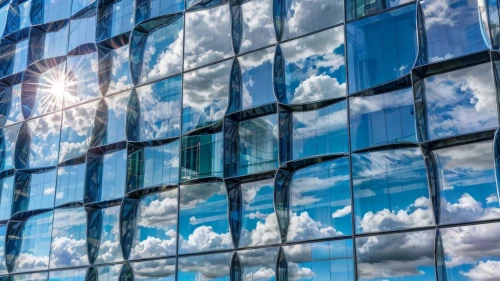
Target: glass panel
pixel 114 170
pixel 382 119
pixel 161 270
pixel 35 244
pixel 305 16
pixel 19 17
pixel 460 102
pixel 68 275
pixel 44 146
pixel 6 198
pixel 315 67
pixel 258 28
pixel 49 44
pixel 258 145
pixel 108 272
pixel 4 11
pixel 321 261
pixel 109 248
pixel 259 225
pixel 117 110
pixel 13 57
pixel 70 184
pixel 321 131
pixel 469 252
pixel 391 190
pixel 401 256
pixel 320 200
pixel 451 29
pixel 208 36
pixel 205 96
pixel 162 52
pixel 82 31
pixel 160 109
pixel 8 144
pixel 203 218
pixel 381 48
pixel 79 5
pixel 114 66
pixel 37 189
pixel 256 78
pixel 357 8
pixel 69 236
pixel 213 267
pixel 81 79
pixel 156 229
pixel 201 156
pixel 50 10
pixel 3 233
pixel 10 99
pixel 30 277
pixel 115 17
pixel 76 133
pixel 147 9
pixel 467 185
pixel 258 264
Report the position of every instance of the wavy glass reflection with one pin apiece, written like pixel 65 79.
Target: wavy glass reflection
pixel 44 11
pixel 205 96
pixel 320 201
pixel 69 234
pixel 161 270
pixel 18 17
pixel 201 156
pixel 82 30
pixel 106 176
pixel 104 239
pixel 321 131
pixel 10 105
pixel 34 190
pixel 4 11
pixel 460 102
pixel 391 190
pixel 382 119
pixel 110 120
pixel 147 9
pixel 356 9
pixel 381 48
pixel 314 68
pixel 70 184
pixel 205 267
pixel 13 56
pixel 7 185
pixel 401 256
pixel 81 79
pixel 203 219
pixel 8 143
pixel 256 265
pixel 115 17
pixel 48 41
pixel 202 27
pixel 114 72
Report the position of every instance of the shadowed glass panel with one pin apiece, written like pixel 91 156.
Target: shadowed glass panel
pixel 44 11
pixel 18 17
pixel 49 44
pixel 78 5
pixel 70 184
pixel 201 156
pixel 13 57
pixel 115 125
pixel 360 8
pixel 147 9
pixel 114 168
pixel 214 267
pixel 35 190
pixel 115 17
pixel 81 79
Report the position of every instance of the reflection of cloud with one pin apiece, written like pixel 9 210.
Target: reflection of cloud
pixel 204 238
pixel 258 27
pixel 159 212
pixel 342 212
pixel 318 88
pixel 194 194
pixel 466 209
pixel 30 262
pixel 484 271
pixel 154 247
pixel 206 267
pixel 156 269
pixel 303 227
pixel 264 233
pixel 66 251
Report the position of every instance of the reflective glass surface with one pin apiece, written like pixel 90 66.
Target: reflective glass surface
pixel 82 30
pixel 201 156
pixel 111 117
pixel 114 72
pixel 70 184
pixel 356 8
pixel 78 5
pixel 163 270
pixel 81 79
pixel 34 190
pixel 205 267
pixel 68 275
pixel 8 143
pixel 108 250
pixel 4 11
pixel 115 17
pixel 257 27
pixel 10 105
pixel 146 9
pixel 258 264
pixel 111 176
pixel 18 17
pixel 3 232
pixel 6 197
pixel 50 43
pixel 13 57
pixel 44 11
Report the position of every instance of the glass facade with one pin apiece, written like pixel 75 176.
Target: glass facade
pixel 251 140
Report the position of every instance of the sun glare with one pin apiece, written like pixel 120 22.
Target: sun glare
pixel 57 88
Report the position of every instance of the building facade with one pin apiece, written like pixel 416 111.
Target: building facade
pixel 249 140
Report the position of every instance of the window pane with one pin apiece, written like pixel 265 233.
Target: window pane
pixel 70 184
pixel 208 267
pixel 201 156
pixel 114 73
pixel 257 27
pixel 44 11
pixel 8 142
pixel 147 9
pixel 81 79
pixel 10 104
pixel 6 197
pixel 161 270
pixel 109 249
pixel 34 190
pixel 115 17
pixel 44 146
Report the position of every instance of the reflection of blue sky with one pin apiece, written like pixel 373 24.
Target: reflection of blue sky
pixel 202 156
pixel 20 15
pixel 108 272
pixel 52 10
pixel 321 131
pixel 119 76
pixel 382 119
pixel 6 197
pixel 467 185
pixel 48 92
pixel 162 52
pixel 259 223
pixel 41 190
pixel 156 228
pixel 44 147
pixel 315 67
pixel 391 190
pixel 256 78
pixel 82 31
pixel 258 264
pixel 158 270
pixel 146 9
pixel 81 79
pixel 43 276
pixel 69 236
pixel 68 275
pixel 214 267
pixel 114 171
pixel 3 17
pixel 160 165
pixel 117 110
pixel 203 218
pixel 119 18
pixel 257 25
pixel 15 113
pixel 14 61
pixel 460 102
pixel 160 109
pixel 381 48
pixel 3 232
pixel 320 261
pixel 258 145
pixel 55 43
pixel 109 248
pixel 77 5
pixel 205 95
pixel 396 257
pixel 70 184
pixel 452 29
pixel 320 201
pixel 8 146
pixel 356 9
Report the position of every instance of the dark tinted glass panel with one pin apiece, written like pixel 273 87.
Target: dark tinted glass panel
pixel 382 119
pixel 257 28
pixel 391 190
pixel 146 9
pixel 68 275
pixel 82 30
pixel 207 267
pixel 44 11
pixel 358 8
pixel 8 143
pixel 201 156
pixel 6 197
pixel 19 16
pixel 44 146
pixel 13 57
pixel 10 98
pixel 70 184
pixel 381 48
pixel 162 270
pixel 109 248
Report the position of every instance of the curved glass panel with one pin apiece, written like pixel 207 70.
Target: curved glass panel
pixel 18 17
pixel 206 267
pixel 305 16
pixel 325 261
pixel 44 146
pixel 108 272
pixel 6 198
pixel 468 252
pixel 382 119
pixel 315 67
pixel 391 190
pixel 113 117
pixel 114 71
pixel 160 109
pixel 13 57
pixel 109 249
pixel 76 132
pixel 154 166
pixel 147 9
pixel 258 264
pixel 115 17
pixel 205 96
pixel 106 176
pixel 201 156
pixel 467 185
pixel 49 43
pixel 460 102
pixel 34 190
pixel 451 29
pixel 3 233
pixel 69 234
pixel 81 79
pixel 320 200
pixel 381 48
pixel 162 52
pixel 208 36
pixel 35 243
pixel 161 270
pixel 43 11
pixel 82 30
pixel 4 11
pixel 356 9
pixel 257 28
pixel 8 144
pixel 259 222
pixel 68 275
pixel 156 229
pixel 203 219
pixel 401 256
pixel 321 131
pixel 70 184
pixel 10 105
pixel 78 5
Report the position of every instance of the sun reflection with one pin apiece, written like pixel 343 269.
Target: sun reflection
pixel 58 88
